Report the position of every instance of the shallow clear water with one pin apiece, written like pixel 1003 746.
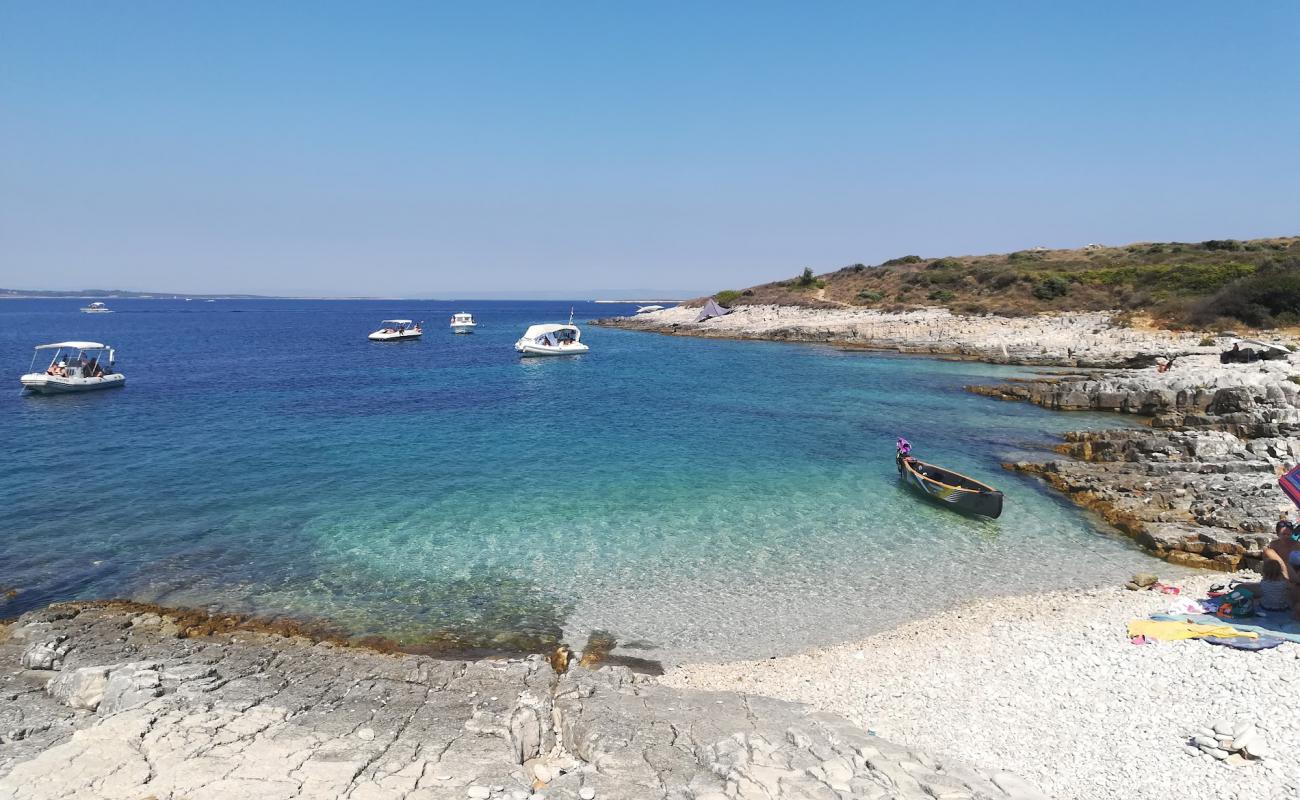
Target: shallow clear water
pixel 705 498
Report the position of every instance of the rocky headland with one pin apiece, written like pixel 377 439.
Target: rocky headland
pixel 111 700
pixel 1086 339
pixel 1199 486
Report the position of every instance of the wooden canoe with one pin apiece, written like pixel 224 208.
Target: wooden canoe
pixel 952 489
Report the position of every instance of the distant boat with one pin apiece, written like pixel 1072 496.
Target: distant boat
pixel 648 309
pixel 947 487
pixel 552 340
pixel 96 308
pixel 463 323
pixel 74 367
pixel 397 330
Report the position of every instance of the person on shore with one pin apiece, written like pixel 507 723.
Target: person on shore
pixel 1284 551
pixel 1274 592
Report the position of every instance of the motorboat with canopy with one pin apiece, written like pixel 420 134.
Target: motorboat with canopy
pixel 73 367
pixel 463 323
pixel 946 487
pixel 552 340
pixel 96 308
pixel 397 330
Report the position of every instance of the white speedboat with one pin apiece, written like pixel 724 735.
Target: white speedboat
pixel 552 340
pixel 96 308
pixel 396 330
pixel 648 309
pixel 463 323
pixel 74 367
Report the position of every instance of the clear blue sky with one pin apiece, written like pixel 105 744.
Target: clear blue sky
pixel 450 149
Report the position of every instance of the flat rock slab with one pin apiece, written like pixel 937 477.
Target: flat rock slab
pixel 134 711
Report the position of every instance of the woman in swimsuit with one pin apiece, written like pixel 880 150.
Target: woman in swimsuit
pixel 1285 550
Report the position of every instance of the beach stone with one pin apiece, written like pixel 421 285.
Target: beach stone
pixel 80 688
pixel 587 793
pixel 366 735
pixel 478 792
pixel 129 686
pixel 1145 579
pixel 44 655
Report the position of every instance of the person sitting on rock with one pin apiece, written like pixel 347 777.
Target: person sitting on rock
pixel 1285 552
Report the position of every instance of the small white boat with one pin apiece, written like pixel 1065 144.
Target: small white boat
pixel 96 308
pixel 552 340
pixel 74 367
pixel 463 323
pixel 648 309
pixel 397 330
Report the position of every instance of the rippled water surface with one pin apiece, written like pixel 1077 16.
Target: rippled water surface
pixel 699 499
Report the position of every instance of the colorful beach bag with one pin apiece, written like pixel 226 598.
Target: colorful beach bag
pixel 1240 602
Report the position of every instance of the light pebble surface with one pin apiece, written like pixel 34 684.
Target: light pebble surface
pixel 1066 338
pixel 1049 687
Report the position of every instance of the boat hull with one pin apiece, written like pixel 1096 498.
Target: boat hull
pixel 394 337
pixel 534 349
pixel 463 328
pixel 40 383
pixel 984 502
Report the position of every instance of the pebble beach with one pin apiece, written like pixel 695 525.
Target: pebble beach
pixel 1049 687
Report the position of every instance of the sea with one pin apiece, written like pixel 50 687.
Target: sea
pixel 689 499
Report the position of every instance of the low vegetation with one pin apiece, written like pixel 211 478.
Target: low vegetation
pixel 1218 283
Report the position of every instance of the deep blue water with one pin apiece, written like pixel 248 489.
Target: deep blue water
pixel 709 498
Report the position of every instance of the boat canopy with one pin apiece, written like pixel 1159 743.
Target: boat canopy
pixel 535 331
pixel 397 321
pixel 73 345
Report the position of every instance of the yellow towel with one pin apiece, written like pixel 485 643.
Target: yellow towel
pixel 1169 630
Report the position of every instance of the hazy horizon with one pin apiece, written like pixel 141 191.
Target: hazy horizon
pixel 421 150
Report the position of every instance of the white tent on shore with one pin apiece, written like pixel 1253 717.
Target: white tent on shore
pixel 712 309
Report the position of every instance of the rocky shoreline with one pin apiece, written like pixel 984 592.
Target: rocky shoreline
pixel 1092 339
pixel 1198 487
pixel 105 700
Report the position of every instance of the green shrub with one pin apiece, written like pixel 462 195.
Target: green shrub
pixel 945 277
pixel 869 296
pixel 805 279
pixel 859 267
pixel 941 295
pixel 944 263
pixel 1025 255
pixel 1051 287
pixel 1206 341
pixel 893 262
pixel 726 297
pixel 1257 299
pixel 1221 244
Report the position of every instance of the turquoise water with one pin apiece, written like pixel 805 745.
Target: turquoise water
pixel 706 499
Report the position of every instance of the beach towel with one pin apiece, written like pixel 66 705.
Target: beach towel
pixel 1278 625
pixel 1241 643
pixel 1173 630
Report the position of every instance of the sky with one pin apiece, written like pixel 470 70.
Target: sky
pixel 430 149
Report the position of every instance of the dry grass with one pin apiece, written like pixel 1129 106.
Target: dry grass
pixel 1161 282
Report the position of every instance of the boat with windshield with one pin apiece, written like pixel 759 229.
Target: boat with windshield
pixel 397 330
pixel 552 340
pixel 73 367
pixel 96 308
pixel 463 323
